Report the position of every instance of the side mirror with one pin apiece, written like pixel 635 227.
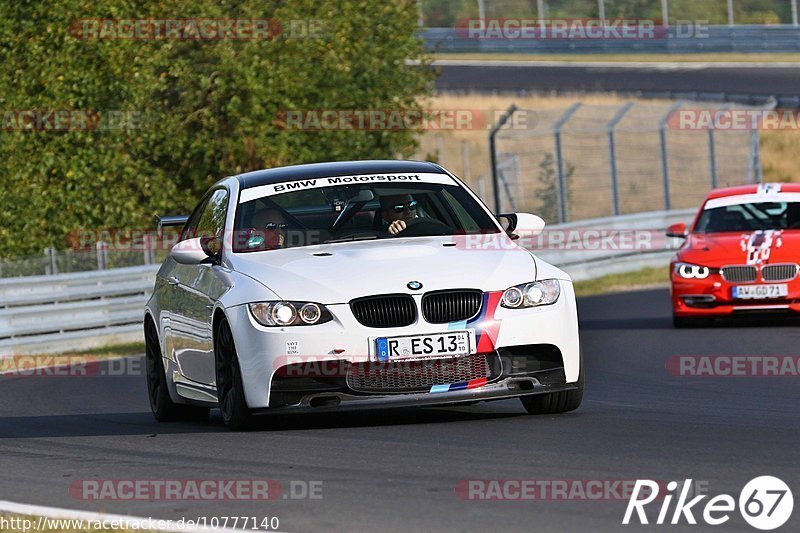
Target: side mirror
pixel 522 223
pixel 196 251
pixel 677 230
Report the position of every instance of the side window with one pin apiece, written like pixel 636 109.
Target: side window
pixel 212 219
pixel 208 218
pixel 190 229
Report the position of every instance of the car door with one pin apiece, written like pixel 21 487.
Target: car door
pixel 197 289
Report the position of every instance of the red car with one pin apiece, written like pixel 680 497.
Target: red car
pixel 741 255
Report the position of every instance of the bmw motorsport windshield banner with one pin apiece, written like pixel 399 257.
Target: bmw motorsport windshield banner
pixel 316 183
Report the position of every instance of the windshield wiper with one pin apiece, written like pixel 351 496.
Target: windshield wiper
pixel 353 238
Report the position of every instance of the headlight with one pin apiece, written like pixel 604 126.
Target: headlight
pixel 289 313
pixel 532 294
pixel 690 271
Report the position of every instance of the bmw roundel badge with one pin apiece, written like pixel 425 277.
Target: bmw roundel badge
pixel 414 285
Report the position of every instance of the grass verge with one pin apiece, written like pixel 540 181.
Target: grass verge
pixel 111 351
pixel 647 278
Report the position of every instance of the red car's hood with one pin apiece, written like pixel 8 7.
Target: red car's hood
pixel 742 248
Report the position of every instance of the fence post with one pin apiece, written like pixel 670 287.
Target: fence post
pixel 102 255
pixel 493 153
pixel 612 155
pixel 147 247
pixel 755 150
pixel 662 136
pixel 465 159
pixel 440 149
pixel 562 180
pixel 51 267
pixel 712 157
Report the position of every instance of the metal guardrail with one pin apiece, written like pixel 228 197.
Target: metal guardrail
pixel 741 38
pixel 45 314
pixel 73 311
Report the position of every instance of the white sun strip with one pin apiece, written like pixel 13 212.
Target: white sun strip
pixel 89 517
pixel 316 183
pixel 753 198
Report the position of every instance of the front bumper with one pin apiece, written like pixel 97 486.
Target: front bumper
pixel 713 297
pixel 511 387
pixel 263 351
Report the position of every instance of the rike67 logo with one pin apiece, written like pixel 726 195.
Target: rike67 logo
pixel 765 503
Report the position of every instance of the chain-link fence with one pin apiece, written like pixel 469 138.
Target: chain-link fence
pixel 100 256
pixel 588 161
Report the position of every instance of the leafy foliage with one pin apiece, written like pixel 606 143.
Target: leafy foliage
pixel 193 110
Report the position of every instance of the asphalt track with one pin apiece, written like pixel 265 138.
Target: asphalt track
pixel 396 470
pixel 751 83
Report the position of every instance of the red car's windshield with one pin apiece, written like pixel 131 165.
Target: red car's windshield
pixel 750 217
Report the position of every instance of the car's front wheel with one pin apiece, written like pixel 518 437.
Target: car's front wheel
pixel 555 402
pixel 164 409
pixel 230 390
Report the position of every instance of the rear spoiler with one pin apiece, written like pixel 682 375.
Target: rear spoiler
pixel 171 221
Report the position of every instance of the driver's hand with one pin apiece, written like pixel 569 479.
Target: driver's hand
pixel 396 227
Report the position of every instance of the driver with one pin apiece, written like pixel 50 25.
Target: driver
pixel 396 210
pixel 792 215
pixel 272 223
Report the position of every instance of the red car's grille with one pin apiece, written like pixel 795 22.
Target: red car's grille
pixel 783 272
pixel 738 273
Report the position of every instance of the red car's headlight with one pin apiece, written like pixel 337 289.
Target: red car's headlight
pixel 690 271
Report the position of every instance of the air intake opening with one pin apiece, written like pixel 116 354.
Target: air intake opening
pixel 325 401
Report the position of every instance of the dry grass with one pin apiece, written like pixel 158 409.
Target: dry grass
pixel 647 278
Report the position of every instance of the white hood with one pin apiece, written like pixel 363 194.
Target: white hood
pixel 366 268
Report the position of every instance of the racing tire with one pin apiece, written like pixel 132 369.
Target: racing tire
pixel 555 402
pixel 161 404
pixel 230 390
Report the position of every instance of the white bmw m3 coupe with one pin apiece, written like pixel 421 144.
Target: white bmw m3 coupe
pixel 355 285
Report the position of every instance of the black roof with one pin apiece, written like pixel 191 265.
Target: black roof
pixel 338 168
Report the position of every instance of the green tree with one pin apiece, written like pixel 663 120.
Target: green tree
pixel 197 110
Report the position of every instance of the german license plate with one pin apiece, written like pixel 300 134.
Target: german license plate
pixel 423 346
pixel 750 292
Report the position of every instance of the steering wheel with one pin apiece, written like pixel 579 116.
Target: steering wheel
pixel 424 226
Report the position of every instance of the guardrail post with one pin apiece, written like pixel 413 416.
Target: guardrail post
pixel 562 180
pixel 102 255
pixel 662 136
pixel 493 154
pixel 612 155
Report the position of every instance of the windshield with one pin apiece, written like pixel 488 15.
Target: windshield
pixel 750 217
pixel 313 214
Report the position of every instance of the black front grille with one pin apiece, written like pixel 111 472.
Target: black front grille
pixel 386 311
pixel 738 273
pixel 440 307
pixel 417 375
pixel 782 272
